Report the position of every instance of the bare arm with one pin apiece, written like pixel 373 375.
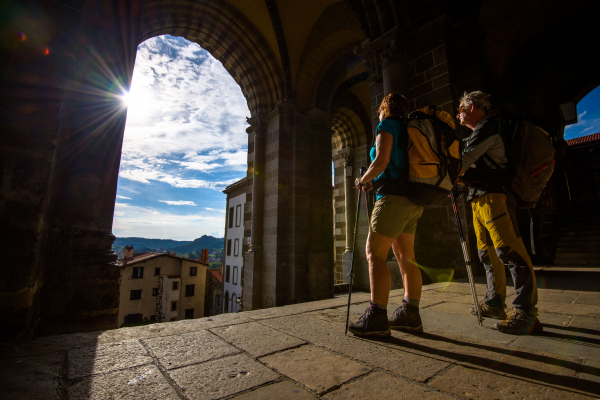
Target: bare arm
pixel 383 146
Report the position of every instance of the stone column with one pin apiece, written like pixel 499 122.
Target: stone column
pixel 394 70
pixel 349 208
pixel 320 261
pixel 252 292
pixel 80 291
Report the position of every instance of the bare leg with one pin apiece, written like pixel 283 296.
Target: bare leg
pixel 379 274
pixel 404 250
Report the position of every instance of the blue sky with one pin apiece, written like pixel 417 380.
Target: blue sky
pixel 185 140
pixel 588 116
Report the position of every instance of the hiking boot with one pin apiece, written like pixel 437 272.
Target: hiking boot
pixel 373 323
pixel 406 318
pixel 519 323
pixel 489 312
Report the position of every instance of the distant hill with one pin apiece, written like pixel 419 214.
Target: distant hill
pixel 181 247
pixel 138 243
pixel 203 242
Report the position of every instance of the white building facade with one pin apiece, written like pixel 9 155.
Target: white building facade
pixel 233 260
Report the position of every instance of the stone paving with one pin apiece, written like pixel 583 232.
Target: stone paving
pixel 300 352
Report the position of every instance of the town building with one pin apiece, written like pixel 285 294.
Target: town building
pixel 213 304
pixel 233 260
pixel 161 287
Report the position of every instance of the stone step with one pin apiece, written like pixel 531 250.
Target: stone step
pixel 578 249
pixel 577 261
pixel 568 239
pixel 588 255
pixel 578 243
pixel 592 229
pixel 579 233
pixel 585 221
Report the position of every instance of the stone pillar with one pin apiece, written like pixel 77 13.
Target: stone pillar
pixel 80 290
pixel 253 260
pixel 394 70
pixel 349 208
pixel 321 260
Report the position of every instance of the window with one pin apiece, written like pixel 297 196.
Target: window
pixel 133 319
pixel 235 275
pixel 189 290
pixel 155 291
pixel 138 272
pixel 236 247
pixel 218 300
pixel 227 273
pixel 153 318
pixel 226 301
pixel 189 313
pixel 173 306
pixel 238 215
pixel 135 295
pixel 229 247
pixel 156 271
pixel 231 217
pixel 175 285
pixel 193 271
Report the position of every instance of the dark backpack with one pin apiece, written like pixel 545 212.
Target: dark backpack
pixel 530 151
pixel 433 155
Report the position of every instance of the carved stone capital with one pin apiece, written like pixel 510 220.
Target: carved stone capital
pixel 258 125
pixel 346 155
pixel 380 54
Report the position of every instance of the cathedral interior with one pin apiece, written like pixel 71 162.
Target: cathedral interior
pixel 313 73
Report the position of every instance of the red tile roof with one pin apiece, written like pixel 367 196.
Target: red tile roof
pixel 584 139
pixel 148 256
pixel 217 274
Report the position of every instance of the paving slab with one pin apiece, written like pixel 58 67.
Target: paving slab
pixel 188 348
pixel 592 299
pixel 559 320
pixel 33 377
pixel 381 386
pixel 453 308
pixel 590 371
pixel 552 297
pixel 171 328
pixel 47 344
pixel 411 364
pixel 585 322
pixel 223 377
pixel 476 383
pixel 257 339
pixel 563 341
pixel 101 359
pixel 569 309
pixel 138 383
pixel 318 369
pixel 285 390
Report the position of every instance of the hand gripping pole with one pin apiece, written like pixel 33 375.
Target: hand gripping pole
pixel 467 260
pixel 351 274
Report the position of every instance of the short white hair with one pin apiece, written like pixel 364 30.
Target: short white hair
pixel 479 99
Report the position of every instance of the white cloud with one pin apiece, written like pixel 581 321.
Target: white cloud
pixel 130 220
pixel 178 203
pixel 182 102
pixel 214 209
pixel 123 197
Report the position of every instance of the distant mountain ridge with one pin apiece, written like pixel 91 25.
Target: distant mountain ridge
pixel 178 246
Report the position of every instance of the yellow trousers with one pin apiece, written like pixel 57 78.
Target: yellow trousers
pixel 499 244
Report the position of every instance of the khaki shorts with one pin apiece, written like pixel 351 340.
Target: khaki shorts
pixel 395 215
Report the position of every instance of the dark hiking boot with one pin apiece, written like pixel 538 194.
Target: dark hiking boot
pixel 489 312
pixel 374 322
pixel 406 318
pixel 519 323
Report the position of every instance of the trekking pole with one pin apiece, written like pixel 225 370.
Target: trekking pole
pixel 351 274
pixel 467 259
